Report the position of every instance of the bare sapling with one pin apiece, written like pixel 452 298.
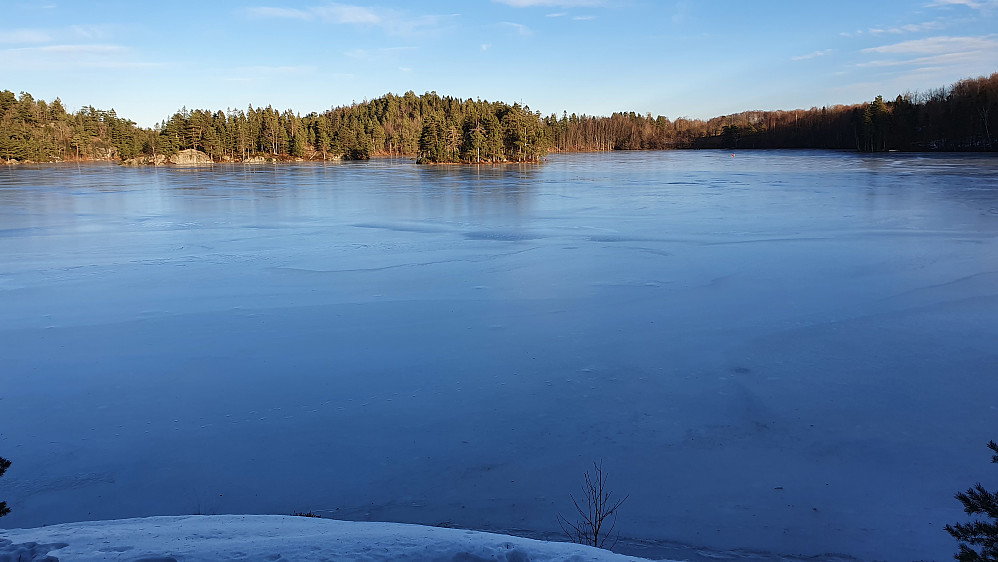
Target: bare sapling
pixel 596 521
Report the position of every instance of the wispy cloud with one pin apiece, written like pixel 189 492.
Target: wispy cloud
pixel 919 27
pixel 518 27
pixel 972 4
pixel 342 13
pixel 80 49
pixel 566 14
pixel 330 13
pixel 392 21
pixel 22 36
pixel 939 45
pixel 90 32
pixel 936 61
pixel 65 56
pixel 908 28
pixel 389 53
pixel 551 3
pixel 813 55
pixel 269 73
pixel 268 12
pixel 964 56
pixel 278 70
pixel 681 12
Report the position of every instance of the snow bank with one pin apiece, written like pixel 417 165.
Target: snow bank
pixel 275 537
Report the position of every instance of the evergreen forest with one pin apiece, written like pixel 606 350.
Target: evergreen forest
pixel 439 129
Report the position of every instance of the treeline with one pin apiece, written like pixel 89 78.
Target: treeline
pixel 433 128
pixel 36 131
pixel 962 117
pixel 430 127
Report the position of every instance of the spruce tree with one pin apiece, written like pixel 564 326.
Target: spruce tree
pixel 4 465
pixel 982 535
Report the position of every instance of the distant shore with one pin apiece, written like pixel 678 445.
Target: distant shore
pixel 442 129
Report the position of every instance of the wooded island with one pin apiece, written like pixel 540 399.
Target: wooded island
pixel 436 129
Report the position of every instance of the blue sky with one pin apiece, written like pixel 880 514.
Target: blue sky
pixel 672 58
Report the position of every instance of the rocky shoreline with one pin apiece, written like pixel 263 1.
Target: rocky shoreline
pixel 191 157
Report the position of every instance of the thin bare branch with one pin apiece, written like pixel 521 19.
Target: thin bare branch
pixel 595 522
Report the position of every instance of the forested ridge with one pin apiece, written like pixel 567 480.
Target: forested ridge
pixel 436 129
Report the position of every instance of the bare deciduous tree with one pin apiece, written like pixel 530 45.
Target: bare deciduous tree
pixel 596 521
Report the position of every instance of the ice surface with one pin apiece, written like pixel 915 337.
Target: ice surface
pixel 789 353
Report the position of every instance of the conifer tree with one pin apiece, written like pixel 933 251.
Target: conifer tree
pixel 4 465
pixel 431 140
pixel 978 534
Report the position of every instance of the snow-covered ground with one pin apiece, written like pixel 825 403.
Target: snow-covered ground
pixel 276 537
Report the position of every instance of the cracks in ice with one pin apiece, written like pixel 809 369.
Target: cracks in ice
pixel 945 285
pixel 473 259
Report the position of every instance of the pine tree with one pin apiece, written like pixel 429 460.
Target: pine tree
pixel 432 144
pixel 4 465
pixel 980 534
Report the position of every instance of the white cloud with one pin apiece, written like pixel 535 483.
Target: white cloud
pixel 972 4
pixel 518 27
pixel 681 12
pixel 280 70
pixel 90 32
pixel 72 56
pixel 81 49
pixel 901 29
pixel 550 3
pixel 391 21
pixel 939 45
pixel 85 33
pixel 943 56
pixel 342 13
pixel 813 55
pixel 909 28
pixel 24 36
pixel 933 61
pixel 280 74
pixel 918 27
pixel 267 12
pixel 385 53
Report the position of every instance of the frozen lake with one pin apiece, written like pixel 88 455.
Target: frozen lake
pixel 779 352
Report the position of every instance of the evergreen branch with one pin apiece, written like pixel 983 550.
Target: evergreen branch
pixel 980 534
pixel 4 465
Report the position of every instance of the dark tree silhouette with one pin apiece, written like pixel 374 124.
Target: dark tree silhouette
pixel 4 465
pixel 982 535
pixel 596 521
